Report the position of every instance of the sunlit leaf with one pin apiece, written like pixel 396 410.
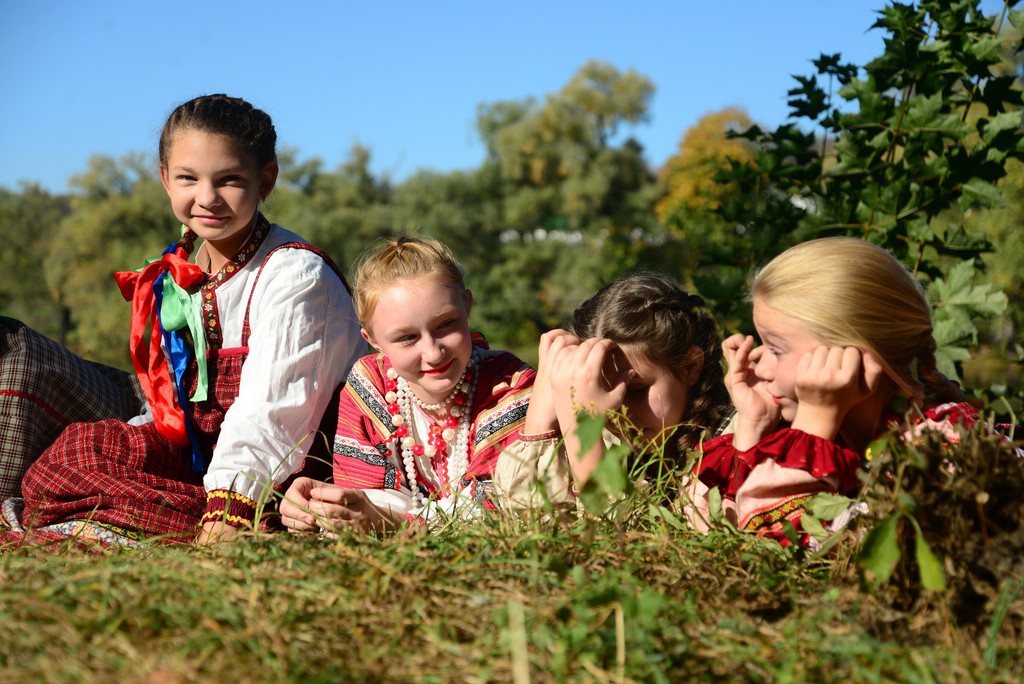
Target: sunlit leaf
pixel 588 430
pixel 715 505
pixel 881 550
pixel 812 526
pixel 827 506
pixel 667 515
pixel 932 576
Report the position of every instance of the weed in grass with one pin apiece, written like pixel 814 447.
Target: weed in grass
pixel 623 597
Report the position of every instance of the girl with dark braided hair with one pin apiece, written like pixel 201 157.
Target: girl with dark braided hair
pixel 248 343
pixel 847 340
pixel 641 346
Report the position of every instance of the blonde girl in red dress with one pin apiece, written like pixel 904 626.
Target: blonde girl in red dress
pixel 846 338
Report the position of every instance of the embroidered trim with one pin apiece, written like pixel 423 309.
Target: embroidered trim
pixel 211 315
pixel 544 436
pixel 233 508
pixel 775 513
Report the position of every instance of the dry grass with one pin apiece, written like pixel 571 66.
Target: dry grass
pixel 512 600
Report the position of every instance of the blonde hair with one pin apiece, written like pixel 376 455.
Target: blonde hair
pixel 402 257
pixel 850 292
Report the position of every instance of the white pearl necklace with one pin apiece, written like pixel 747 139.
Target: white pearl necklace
pixel 400 400
pixel 441 404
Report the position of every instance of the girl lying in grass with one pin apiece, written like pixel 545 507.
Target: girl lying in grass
pixel 422 421
pixel 847 346
pixel 640 345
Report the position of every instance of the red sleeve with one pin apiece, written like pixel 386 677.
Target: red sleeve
pixel 724 467
pixel 360 451
pixel 503 395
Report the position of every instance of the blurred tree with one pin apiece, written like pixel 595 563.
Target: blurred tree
pixel 691 195
pixel 560 166
pixel 28 221
pixel 119 218
pixel 569 199
pixel 341 211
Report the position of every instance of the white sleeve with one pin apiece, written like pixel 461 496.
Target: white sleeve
pixel 304 338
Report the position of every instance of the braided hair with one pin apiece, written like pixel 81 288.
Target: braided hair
pixel 248 127
pixel 664 324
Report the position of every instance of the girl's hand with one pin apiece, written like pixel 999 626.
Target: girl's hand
pixel 540 413
pixel 591 375
pixel 214 531
pixel 757 413
pixel 337 507
pixel 829 382
pixel 295 506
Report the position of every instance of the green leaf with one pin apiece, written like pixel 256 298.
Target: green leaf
pixel 928 565
pixel 791 534
pixel 812 526
pixel 881 550
pixel 588 430
pixel 986 50
pixel 934 46
pixel 1004 121
pixel 826 506
pixel 715 505
pixel 949 330
pixel 977 191
pixel 608 482
pixel 947 357
pixel 1016 18
pixel 667 515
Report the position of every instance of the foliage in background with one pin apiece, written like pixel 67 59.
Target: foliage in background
pixel 917 150
pixel 28 220
pixel 927 133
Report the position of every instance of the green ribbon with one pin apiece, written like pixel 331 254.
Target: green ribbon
pixel 178 310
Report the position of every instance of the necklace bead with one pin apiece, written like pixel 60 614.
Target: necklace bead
pixel 453 430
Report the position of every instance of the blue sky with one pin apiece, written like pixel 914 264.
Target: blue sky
pixel 403 78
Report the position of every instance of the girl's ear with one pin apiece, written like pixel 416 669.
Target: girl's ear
pixel 165 178
pixel 268 178
pixel 368 338
pixel 469 301
pixel 693 366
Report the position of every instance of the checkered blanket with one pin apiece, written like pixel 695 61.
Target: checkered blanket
pixel 43 388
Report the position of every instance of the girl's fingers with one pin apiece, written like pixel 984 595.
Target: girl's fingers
pixel 755 354
pixel 873 372
pixel 851 363
pixel 329 511
pixel 551 342
pixel 739 359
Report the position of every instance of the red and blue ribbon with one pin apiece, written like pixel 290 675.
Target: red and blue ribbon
pixel 161 378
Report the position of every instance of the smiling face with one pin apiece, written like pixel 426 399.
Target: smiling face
pixel 656 399
pixel 784 339
pixel 215 188
pixel 422 326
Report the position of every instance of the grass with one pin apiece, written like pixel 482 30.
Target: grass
pixel 524 600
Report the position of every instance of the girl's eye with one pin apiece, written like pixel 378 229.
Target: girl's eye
pixel 638 390
pixel 231 179
pixel 186 179
pixel 447 324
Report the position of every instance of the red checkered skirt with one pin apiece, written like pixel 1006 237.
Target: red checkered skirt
pixel 131 476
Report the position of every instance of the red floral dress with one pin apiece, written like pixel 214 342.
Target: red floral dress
pixel 768 484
